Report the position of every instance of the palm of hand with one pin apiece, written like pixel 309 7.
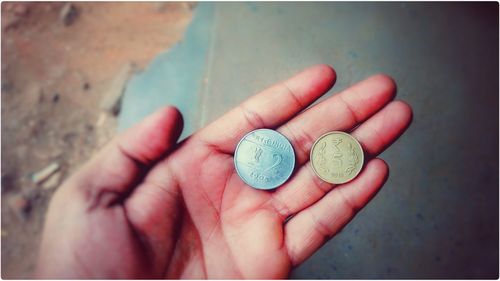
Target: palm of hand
pixel 146 207
pixel 228 229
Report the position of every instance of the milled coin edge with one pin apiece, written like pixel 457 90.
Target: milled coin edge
pixel 337 132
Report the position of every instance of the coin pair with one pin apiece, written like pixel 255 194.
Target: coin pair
pixel 265 159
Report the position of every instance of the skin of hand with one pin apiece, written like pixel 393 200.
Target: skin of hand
pixel 147 206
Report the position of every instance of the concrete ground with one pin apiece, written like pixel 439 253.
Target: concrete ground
pixel 437 216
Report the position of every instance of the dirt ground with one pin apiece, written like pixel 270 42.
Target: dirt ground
pixel 59 61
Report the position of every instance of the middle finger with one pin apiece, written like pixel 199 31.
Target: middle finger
pixel 342 112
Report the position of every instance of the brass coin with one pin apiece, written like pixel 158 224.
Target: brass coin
pixel 337 157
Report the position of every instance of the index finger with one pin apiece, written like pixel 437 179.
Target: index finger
pixel 270 108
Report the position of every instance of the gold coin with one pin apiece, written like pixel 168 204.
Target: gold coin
pixel 337 157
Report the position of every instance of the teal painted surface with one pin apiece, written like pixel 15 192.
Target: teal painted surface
pixel 437 216
pixel 174 77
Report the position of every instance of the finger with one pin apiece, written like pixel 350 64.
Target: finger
pixel 310 229
pixel 380 131
pixel 270 108
pixel 119 165
pixel 374 135
pixel 340 112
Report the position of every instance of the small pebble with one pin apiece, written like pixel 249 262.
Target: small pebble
pixel 20 205
pixel 100 120
pixel 55 97
pixel 45 173
pixel 52 182
pixel 68 14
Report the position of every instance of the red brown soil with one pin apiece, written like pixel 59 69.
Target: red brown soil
pixel 54 77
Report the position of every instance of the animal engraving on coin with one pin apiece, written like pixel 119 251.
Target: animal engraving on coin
pixel 337 157
pixel 264 159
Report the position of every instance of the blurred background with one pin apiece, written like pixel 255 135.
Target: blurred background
pixel 75 73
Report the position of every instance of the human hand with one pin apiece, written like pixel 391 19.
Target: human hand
pixel 147 207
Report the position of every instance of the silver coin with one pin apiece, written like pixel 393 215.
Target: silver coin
pixel 264 159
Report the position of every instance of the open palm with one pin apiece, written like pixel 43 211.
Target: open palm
pixel 147 206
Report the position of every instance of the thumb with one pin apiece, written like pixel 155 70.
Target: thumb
pixel 121 164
